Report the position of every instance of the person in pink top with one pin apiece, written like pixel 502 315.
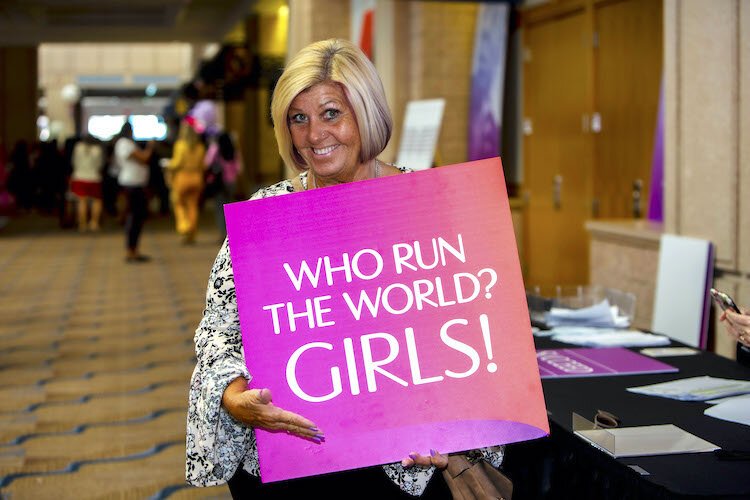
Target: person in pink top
pixel 223 160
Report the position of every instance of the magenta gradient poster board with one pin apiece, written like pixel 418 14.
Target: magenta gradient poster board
pixel 596 362
pixel 391 312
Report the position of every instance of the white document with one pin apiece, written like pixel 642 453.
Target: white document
pixel 604 337
pixel 735 410
pixel 647 440
pixel 665 352
pixel 730 398
pixel 695 388
pixel 601 315
pixel 543 333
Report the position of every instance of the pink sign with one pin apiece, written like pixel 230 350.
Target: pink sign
pixel 390 312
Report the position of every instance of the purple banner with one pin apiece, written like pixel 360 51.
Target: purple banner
pixel 487 79
pixel 593 362
pixel 656 198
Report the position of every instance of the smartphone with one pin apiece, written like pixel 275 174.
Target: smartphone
pixel 724 301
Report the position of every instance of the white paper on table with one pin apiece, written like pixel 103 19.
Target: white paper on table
pixel 730 398
pixel 660 352
pixel 577 330
pixel 607 337
pixel 601 315
pixel 600 310
pixel 735 410
pixel 695 388
pixel 544 333
pixel 646 440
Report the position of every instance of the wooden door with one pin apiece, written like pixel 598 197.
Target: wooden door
pixel 557 151
pixel 628 63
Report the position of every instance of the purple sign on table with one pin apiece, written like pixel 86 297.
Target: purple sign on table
pixel 596 362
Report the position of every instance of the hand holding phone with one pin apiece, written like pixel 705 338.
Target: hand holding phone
pixel 724 301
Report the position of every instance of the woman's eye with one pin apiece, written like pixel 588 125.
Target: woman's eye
pixel 298 118
pixel 330 114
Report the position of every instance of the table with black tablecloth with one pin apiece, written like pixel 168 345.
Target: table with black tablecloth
pixel 565 466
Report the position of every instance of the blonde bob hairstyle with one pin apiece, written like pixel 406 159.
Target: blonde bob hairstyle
pixel 338 61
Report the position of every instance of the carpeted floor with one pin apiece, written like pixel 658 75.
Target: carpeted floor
pixel 95 360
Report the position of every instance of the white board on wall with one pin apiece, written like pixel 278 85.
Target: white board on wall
pixel 422 120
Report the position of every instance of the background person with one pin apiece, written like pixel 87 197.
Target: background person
pixel 110 187
pixel 331 120
pixel 50 180
pixel 20 176
pixel 86 182
pixel 223 159
pixel 186 170
pixel 157 184
pixel 132 177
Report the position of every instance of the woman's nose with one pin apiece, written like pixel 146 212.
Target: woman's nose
pixel 316 132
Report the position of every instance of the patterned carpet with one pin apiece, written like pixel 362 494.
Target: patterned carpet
pixel 95 360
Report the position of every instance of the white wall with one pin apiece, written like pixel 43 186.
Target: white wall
pixel 89 65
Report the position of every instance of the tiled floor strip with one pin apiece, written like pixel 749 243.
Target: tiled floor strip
pixel 95 360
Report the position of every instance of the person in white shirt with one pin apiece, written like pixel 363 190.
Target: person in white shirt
pixel 133 179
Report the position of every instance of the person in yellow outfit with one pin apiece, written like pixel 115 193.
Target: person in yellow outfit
pixel 186 168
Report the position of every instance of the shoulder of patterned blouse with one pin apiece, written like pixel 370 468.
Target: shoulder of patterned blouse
pixel 282 187
pixel 403 170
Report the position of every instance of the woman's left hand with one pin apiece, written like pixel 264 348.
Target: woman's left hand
pixel 738 326
pixel 438 460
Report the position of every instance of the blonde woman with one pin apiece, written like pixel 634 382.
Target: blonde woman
pixel 186 169
pixel 331 121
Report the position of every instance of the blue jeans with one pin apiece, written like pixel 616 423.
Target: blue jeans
pixel 136 216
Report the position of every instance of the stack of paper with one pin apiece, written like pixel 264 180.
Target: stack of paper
pixel 695 388
pixel 605 337
pixel 601 315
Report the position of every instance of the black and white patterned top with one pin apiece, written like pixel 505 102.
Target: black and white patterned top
pixel 216 443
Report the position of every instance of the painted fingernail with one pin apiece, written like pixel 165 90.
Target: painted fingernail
pixel 320 436
pixel 413 455
pixel 433 453
pixel 314 429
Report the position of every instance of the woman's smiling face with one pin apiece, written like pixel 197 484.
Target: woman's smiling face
pixel 325 133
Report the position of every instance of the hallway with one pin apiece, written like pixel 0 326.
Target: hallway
pixel 95 360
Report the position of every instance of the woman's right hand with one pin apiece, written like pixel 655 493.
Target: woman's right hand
pixel 738 326
pixel 254 408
